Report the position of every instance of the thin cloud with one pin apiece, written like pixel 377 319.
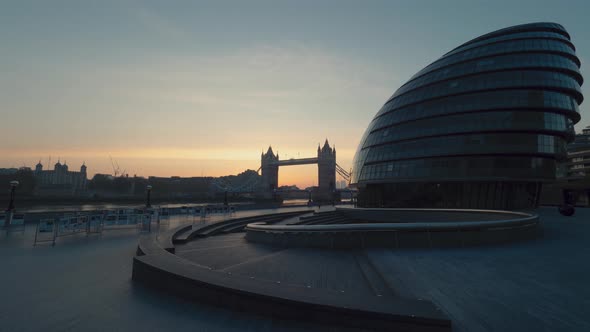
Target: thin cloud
pixel 156 23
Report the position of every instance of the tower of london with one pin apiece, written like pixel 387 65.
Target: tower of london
pixel 61 180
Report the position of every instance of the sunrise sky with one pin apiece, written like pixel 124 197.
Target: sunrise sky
pixel 193 88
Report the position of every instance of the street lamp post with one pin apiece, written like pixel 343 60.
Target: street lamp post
pixel 148 204
pixel 309 197
pixel 13 185
pixel 10 209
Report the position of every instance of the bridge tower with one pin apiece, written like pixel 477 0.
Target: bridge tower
pixel 326 171
pixel 270 170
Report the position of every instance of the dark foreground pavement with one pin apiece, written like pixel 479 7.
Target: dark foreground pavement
pixel 84 284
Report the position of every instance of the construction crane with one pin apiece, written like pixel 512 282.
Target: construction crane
pixel 116 168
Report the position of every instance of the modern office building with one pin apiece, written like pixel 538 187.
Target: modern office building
pixel 481 127
pixel 577 165
pixel 573 174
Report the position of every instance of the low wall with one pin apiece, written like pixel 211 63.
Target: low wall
pixel 404 228
pixel 424 215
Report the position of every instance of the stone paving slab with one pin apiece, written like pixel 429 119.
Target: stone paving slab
pixel 540 285
pixel 220 257
pixel 336 271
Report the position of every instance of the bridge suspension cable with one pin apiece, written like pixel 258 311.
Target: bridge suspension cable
pixel 343 173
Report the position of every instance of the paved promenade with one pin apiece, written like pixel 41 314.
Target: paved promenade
pixel 542 285
pixel 84 284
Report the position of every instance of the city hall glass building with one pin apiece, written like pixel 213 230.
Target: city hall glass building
pixel 481 127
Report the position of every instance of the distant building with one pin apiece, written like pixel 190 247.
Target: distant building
pixel 287 188
pixel 60 180
pixel 577 165
pixel 8 171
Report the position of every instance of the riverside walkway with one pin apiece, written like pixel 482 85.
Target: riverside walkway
pixel 84 283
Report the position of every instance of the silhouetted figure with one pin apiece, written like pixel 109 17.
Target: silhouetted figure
pixel 567 208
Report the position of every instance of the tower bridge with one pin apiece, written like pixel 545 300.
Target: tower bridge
pixel 327 169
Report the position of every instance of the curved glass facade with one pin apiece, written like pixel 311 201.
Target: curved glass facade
pixel 491 116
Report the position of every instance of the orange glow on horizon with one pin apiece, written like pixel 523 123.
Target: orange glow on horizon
pixel 302 176
pixel 173 162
